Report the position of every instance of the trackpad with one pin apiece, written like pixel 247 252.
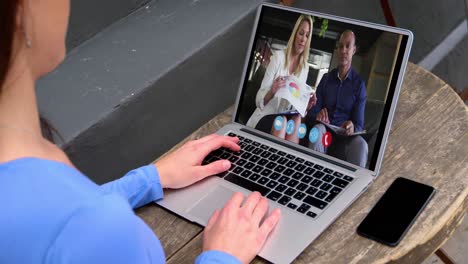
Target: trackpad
pixel 216 199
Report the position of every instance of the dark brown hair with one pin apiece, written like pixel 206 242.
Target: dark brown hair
pixel 8 9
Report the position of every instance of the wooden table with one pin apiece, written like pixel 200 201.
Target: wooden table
pixel 428 143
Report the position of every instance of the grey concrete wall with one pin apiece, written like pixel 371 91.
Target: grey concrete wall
pixel 431 20
pixel 141 85
pixel 88 17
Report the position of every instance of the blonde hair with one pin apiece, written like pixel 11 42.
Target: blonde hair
pixel 289 49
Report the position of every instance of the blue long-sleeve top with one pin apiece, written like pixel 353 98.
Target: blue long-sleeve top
pixel 344 99
pixel 52 213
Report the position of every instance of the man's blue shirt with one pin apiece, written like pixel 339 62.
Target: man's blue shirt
pixel 344 100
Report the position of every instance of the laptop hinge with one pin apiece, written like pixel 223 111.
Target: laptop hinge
pixel 279 142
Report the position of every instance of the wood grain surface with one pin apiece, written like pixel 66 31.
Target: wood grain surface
pixel 428 143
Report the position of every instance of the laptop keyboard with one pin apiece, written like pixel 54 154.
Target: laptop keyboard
pixel 283 178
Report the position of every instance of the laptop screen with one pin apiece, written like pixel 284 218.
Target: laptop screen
pixel 322 83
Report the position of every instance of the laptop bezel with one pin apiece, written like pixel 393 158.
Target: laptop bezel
pixel 375 172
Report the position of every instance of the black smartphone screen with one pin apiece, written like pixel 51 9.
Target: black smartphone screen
pixel 396 211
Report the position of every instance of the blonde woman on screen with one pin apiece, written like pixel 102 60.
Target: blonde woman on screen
pixel 290 61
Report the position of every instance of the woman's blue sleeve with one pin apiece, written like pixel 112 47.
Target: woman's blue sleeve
pixel 216 257
pixel 140 186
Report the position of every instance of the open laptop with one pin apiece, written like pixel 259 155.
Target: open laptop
pixel 311 186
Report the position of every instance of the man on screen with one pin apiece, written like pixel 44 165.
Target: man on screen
pixel 341 100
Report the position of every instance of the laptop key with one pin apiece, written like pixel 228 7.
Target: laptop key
pixel 308 163
pixel 248 140
pixel 328 178
pixel 255 143
pixel 246 155
pixel 311 214
pixel 281 188
pixel 336 190
pixel 280 168
pixel 249 165
pixel 275 175
pixel 291 164
pixel 321 194
pixel 338 174
pixel 272 184
pixel 257 168
pixel 300 160
pixel 284 200
pixel 346 177
pixel 326 186
pixel 289 156
pixel 254 158
pixel 251 186
pixel 271 165
pixel 292 206
pixel 246 174
pixel 292 183
pixel 274 157
pixel 282 161
pixel 302 186
pixel 265 154
pixel 309 171
pixel 273 150
pixel 288 172
pixel 290 192
pixel 281 153
pixel 232 134
pixel 262 162
pixel 266 172
pixel 330 197
pixel 263 180
pixel 241 162
pixel 238 170
pixel 340 183
pixel 300 167
pixel 249 148
pixel 327 170
pixel 233 159
pixel 257 151
pixel 306 179
pixel 274 196
pixel 283 179
pixel 297 175
pixel 315 202
pixel 299 196
pixel 316 183
pixel 254 177
pixel 303 208
pixel 263 146
pixel 311 190
pixel 318 174
pixel 318 167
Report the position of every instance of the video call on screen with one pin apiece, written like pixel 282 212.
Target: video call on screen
pixel 321 83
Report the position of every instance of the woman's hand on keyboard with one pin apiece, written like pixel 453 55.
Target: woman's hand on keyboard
pixel 238 228
pixel 183 167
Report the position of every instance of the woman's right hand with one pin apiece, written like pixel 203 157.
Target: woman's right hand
pixel 279 82
pixel 236 229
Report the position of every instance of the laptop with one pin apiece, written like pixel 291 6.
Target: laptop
pixel 311 186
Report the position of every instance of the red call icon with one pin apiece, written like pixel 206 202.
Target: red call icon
pixel 327 139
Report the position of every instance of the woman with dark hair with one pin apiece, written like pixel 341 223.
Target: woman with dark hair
pixel 51 212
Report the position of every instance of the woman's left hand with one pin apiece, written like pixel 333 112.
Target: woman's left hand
pixel 183 167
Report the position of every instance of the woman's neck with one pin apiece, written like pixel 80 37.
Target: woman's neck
pixel 18 106
pixel 294 63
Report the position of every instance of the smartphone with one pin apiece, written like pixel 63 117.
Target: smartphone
pixel 395 212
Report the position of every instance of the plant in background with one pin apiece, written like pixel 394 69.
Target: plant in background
pixel 323 26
